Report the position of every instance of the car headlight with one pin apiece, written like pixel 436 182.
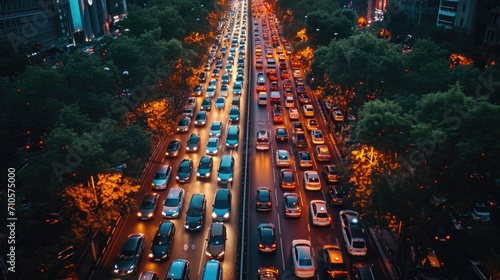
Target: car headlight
pixel 177 177
pixel 150 215
pixel 219 179
pixel 230 179
pixel 150 255
pixel 139 214
pixel 198 174
pixel 131 269
pixel 226 215
pixel 214 215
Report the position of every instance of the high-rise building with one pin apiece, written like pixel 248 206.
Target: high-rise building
pixel 457 13
pixel 487 28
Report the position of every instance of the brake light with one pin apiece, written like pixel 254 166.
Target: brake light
pixel 261 246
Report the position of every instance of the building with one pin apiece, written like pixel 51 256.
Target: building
pixel 487 27
pixel 31 23
pixel 89 18
pixel 457 13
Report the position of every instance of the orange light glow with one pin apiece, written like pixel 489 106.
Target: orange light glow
pixel 459 59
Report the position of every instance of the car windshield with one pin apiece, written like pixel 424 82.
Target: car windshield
pixel 193 211
pixel 225 169
pixel 283 156
pixel 126 254
pixel 305 262
pixel 322 215
pixel 313 179
pixel 184 168
pixel 212 144
pixel 293 202
pixel 183 122
pixel 171 202
pixel 264 196
pixel 205 164
pixel 358 244
pixel 215 126
pixel 160 176
pixel 306 156
pixel 266 236
pixel 193 140
pixel 216 240
pixel 147 205
pixel 288 177
pixel 221 203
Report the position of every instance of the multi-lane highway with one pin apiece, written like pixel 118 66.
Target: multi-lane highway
pixel 260 28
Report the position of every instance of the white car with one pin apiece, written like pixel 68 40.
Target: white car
pixel 337 116
pixel 319 213
pixel 282 158
pixel 323 153
pixel 303 261
pixel 317 137
pixel 297 74
pixel 308 110
pixel 172 206
pixel 293 113
pixel 311 180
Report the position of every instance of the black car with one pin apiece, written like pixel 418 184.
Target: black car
pixel 203 77
pixel 195 215
pixel 337 195
pixel 173 148
pixel 267 238
pixel 206 104
pixel 264 199
pixel 128 258
pixel 281 134
pixel 216 241
pixel 184 171
pixel 162 241
pixel 193 143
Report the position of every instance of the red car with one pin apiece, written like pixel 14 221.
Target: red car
pixel 287 83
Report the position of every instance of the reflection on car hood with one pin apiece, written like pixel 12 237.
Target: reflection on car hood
pixel 159 250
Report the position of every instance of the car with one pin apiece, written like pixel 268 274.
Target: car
pixel 277 114
pixel 319 213
pixel 311 180
pixel 297 127
pixel 148 206
pixel 337 116
pixel 179 270
pixel 336 194
pixel 266 238
pixel 222 205
pixel 226 170
pixel 303 261
pixel 201 118
pixel 322 153
pixel 205 167
pixel 299 82
pixel 224 89
pixel 354 241
pixel 148 275
pixel 233 135
pixel 210 91
pixel 161 245
pixel 184 170
pixel 206 104
pixel 190 102
pixel 188 111
pixel 262 142
pixel 216 129
pixel 183 124
pixel 282 158
pixel 305 159
pixel 193 143
pixel 129 256
pixel 293 113
pixel 317 137
pixel 202 77
pixel 215 72
pixel 237 88
pixel 286 82
pixel 220 102
pixel 333 262
pixel 304 98
pixel 297 74
pixel 363 271
pixel 212 146
pixel 440 234
pixel 281 134
pixel 162 177
pixel 291 204
pixel 230 59
pixel 264 200
pixel 239 78
pixel 198 89
pixel 480 213
pixel 207 66
pixel 268 273
pixel 234 114
pixel 331 174
pixel 216 241
pixel 195 214
pixel 173 148
pixel 350 218
pixel 426 257
pixel 312 124
pixel 225 79
pixel 172 206
pixel 212 270
pixel 274 83
pixel 229 69
pixel 308 110
pixel 284 75
pixel 287 177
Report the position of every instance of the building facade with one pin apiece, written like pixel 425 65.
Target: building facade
pixel 457 13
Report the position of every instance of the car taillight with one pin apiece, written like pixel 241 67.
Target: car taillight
pixel 274 245
pixel 261 246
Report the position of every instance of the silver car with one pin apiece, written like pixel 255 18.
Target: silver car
pixel 148 206
pixel 172 206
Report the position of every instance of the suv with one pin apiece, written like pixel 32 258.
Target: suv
pixel 179 270
pixel 126 263
pixel 222 205
pixel 226 169
pixel 195 214
pixel 262 142
pixel 216 241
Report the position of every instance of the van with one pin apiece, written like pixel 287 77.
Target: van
pixel 233 135
pixel 289 102
pixel 262 98
pixel 212 270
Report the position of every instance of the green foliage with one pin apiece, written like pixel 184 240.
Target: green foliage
pixel 322 26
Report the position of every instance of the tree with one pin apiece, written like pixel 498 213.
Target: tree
pixel 323 26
